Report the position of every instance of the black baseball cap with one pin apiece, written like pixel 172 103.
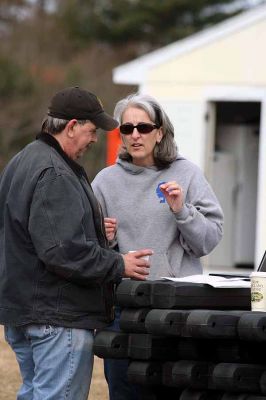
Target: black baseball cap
pixel 77 103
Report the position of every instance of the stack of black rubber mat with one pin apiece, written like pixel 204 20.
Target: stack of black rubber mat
pixel 189 341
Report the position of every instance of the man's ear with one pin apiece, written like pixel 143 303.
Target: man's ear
pixel 70 127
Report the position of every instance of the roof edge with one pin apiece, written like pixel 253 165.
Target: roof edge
pixel 134 72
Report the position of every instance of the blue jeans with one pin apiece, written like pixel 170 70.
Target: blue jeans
pixel 115 372
pixel 55 363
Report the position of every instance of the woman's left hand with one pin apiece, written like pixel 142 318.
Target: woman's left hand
pixel 173 194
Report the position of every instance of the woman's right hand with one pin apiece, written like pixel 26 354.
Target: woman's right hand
pixel 110 225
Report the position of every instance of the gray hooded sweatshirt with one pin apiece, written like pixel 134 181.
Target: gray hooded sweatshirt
pixel 131 194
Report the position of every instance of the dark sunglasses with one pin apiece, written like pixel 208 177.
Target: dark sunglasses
pixel 127 129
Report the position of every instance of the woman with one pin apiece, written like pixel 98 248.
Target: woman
pixel 155 198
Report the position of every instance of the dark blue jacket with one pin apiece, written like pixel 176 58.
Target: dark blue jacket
pixel 55 266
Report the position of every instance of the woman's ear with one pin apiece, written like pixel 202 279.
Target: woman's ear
pixel 159 135
pixel 122 138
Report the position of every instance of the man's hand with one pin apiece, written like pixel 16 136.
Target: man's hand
pixel 135 266
pixel 110 225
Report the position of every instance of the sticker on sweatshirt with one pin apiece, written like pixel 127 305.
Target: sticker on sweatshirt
pixel 160 194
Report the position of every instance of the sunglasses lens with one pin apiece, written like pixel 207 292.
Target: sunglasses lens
pixel 126 129
pixel 145 128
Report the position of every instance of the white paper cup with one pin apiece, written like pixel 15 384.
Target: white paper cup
pixel 258 291
pixel 143 257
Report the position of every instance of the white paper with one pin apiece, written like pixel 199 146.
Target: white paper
pixel 215 281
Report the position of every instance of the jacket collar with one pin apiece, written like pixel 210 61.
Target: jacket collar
pixel 51 141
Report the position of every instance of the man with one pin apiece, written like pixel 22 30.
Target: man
pixel 57 274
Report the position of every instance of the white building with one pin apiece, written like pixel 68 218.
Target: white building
pixel 213 87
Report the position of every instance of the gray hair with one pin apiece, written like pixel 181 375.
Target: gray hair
pixel 165 152
pixel 56 125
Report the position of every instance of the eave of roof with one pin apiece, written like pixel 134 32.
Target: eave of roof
pixel 134 72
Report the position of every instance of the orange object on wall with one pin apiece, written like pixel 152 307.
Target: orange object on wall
pixel 112 145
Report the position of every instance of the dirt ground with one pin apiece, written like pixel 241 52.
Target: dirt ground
pixel 10 378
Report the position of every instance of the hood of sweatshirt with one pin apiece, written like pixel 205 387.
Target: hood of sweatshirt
pixel 137 169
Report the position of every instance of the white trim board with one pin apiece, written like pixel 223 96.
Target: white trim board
pixel 245 94
pixel 234 93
